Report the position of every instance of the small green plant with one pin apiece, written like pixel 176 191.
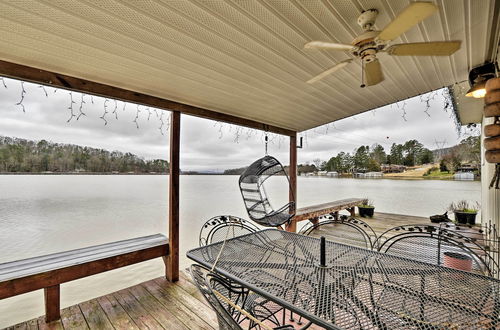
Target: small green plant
pixel 369 204
pixel 465 207
pixel 431 170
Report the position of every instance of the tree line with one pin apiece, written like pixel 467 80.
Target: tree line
pixel 27 156
pixel 410 153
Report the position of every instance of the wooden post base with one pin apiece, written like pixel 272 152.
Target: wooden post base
pixel 52 303
pixel 291 226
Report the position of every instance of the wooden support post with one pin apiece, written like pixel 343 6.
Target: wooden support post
pixel 172 266
pixel 52 303
pixel 292 195
pixel 352 210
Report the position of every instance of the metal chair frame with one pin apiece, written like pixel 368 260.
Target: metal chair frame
pixel 364 229
pixel 224 316
pixel 217 223
pixel 230 309
pixel 451 237
pixel 254 194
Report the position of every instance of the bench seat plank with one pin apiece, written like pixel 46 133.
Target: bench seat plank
pixel 318 210
pixel 40 272
pixel 25 267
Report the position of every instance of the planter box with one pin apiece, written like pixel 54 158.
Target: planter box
pixel 366 211
pixel 465 218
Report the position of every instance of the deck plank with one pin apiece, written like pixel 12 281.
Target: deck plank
pixel 55 325
pixel 186 283
pixel 163 314
pixel 183 313
pixel 116 314
pixel 94 315
pixel 142 318
pixel 177 293
pixel 72 318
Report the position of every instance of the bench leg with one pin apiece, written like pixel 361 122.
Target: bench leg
pixel 336 215
pixel 52 303
pixel 314 221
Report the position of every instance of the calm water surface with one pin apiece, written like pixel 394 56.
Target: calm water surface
pixel 47 214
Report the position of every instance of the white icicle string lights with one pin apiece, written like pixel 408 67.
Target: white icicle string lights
pixel 23 92
pixel 79 112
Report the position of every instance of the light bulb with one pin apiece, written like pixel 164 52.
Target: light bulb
pixel 480 93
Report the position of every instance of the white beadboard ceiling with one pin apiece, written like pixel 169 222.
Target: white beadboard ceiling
pixel 242 57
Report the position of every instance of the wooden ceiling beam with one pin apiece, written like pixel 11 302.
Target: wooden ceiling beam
pixel 57 80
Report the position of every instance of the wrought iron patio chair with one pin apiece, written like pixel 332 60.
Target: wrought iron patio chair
pixel 345 230
pixel 229 301
pixel 222 227
pixel 439 245
pixel 257 203
pixel 433 244
pixel 484 235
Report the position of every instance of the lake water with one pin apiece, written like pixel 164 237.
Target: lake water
pixel 47 214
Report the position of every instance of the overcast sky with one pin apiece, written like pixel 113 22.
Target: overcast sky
pixel 205 144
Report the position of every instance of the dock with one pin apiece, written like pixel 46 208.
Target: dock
pixel 160 304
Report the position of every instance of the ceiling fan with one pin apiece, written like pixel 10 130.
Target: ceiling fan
pixel 367 45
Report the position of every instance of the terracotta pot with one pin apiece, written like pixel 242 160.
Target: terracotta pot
pixel 492 156
pixel 492 143
pixel 492 110
pixel 493 83
pixel 457 261
pixel 492 130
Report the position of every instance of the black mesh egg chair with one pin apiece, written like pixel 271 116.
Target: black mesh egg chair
pixel 252 187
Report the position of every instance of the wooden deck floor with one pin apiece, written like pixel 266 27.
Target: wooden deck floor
pixel 159 304
pixel 384 221
pixel 155 304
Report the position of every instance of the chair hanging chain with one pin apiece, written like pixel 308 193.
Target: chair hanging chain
pixel 266 139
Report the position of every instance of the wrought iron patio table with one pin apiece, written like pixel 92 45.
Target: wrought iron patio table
pixel 358 288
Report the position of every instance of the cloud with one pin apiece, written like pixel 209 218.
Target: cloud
pixel 205 144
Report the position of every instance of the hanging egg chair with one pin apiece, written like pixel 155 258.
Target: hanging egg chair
pixel 257 203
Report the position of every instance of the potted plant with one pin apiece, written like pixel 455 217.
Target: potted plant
pixel 367 209
pixel 465 212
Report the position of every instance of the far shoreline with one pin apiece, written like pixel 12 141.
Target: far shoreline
pixel 221 174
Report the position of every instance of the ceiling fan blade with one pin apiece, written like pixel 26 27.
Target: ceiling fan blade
pixel 409 17
pixel 440 48
pixel 327 45
pixel 373 73
pixel 329 71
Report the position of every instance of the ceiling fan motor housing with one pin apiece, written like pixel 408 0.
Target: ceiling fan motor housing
pixel 367 19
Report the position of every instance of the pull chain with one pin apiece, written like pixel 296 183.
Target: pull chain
pixel 266 140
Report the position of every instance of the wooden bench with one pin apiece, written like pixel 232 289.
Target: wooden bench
pixel 313 212
pixel 49 271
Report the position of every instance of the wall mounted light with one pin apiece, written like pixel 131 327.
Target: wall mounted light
pixel 477 80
